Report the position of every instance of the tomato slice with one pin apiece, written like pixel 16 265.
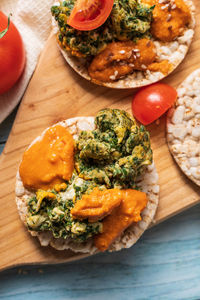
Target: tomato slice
pixel 90 14
pixel 152 101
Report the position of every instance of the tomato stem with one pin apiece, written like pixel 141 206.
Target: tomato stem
pixel 2 33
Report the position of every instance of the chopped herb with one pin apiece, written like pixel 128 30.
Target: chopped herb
pixel 129 19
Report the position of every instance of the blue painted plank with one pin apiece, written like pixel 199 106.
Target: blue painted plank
pixel 2 147
pixel 5 128
pixel 164 264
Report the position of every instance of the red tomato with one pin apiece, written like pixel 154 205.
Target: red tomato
pixel 12 55
pixel 90 14
pixel 152 101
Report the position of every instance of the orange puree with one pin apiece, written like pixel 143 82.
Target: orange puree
pixel 48 161
pixel 97 204
pixel 122 217
pixel 163 66
pixel 169 18
pixel 119 59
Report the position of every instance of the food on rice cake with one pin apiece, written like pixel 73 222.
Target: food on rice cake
pixel 183 127
pixel 89 184
pixel 141 42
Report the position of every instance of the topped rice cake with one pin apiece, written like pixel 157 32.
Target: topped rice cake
pixel 89 184
pixel 141 42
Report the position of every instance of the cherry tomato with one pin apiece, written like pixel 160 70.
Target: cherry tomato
pixel 12 55
pixel 152 101
pixel 90 14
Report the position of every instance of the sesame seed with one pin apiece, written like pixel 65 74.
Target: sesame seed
pixel 173 6
pixel 112 77
pixel 169 17
pixel 136 50
pixel 131 65
pixel 143 66
pixel 122 51
pixel 164 6
pixel 138 54
pixel 115 73
pixel 163 1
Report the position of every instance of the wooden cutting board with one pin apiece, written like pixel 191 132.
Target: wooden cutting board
pixel 55 93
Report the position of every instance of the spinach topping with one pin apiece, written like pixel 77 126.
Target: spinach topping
pixel 115 153
pixel 128 20
pixel 54 215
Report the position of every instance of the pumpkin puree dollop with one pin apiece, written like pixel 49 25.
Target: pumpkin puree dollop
pixel 123 206
pixel 121 58
pixel 169 18
pixel 49 161
pixel 97 204
pixel 121 218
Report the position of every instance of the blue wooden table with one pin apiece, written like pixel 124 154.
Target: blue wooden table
pixel 164 264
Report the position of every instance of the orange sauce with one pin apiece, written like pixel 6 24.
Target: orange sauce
pixel 163 66
pixel 169 20
pixel 97 204
pixel 48 161
pixel 122 217
pixel 105 64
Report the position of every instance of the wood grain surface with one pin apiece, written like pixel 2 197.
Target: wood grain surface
pixel 55 93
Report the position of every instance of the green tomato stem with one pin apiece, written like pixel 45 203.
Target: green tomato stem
pixel 2 33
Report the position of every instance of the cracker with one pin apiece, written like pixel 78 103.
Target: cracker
pixel 174 51
pixel 183 127
pixel 148 184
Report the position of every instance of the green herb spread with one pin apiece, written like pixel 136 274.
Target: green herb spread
pixel 54 215
pixel 112 155
pixel 115 153
pixel 128 20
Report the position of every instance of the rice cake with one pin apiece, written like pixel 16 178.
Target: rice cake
pixel 183 127
pixel 148 184
pixel 174 52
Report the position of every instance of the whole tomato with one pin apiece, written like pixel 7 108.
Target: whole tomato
pixel 12 54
